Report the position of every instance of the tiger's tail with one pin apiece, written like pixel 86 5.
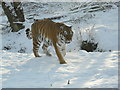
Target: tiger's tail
pixel 28 33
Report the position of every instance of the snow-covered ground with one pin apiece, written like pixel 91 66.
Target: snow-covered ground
pixel 20 69
pixel 83 70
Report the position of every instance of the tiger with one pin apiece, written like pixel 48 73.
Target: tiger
pixel 51 34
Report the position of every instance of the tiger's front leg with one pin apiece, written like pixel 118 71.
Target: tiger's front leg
pixel 36 44
pixel 60 57
pixel 63 49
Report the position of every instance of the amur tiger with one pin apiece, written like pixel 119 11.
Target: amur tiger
pixel 50 33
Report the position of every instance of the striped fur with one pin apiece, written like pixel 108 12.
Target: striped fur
pixel 50 33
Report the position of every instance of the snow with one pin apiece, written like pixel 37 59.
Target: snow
pixel 20 69
pixel 83 70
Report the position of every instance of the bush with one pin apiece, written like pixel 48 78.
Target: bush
pixel 89 46
pixel 87 39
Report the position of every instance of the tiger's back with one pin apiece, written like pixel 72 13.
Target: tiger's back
pixel 45 28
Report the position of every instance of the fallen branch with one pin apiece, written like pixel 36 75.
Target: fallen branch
pixel 51 18
pixel 4 24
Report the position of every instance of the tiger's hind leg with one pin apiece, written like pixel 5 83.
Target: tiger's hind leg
pixel 36 44
pixel 44 47
pixel 46 44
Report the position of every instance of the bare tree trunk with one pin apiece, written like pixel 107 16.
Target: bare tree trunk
pixel 14 13
pixel 19 11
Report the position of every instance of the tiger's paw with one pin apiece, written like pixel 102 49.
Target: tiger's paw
pixel 38 56
pixel 63 62
pixel 48 54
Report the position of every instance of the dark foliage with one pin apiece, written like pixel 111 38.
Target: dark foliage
pixel 89 46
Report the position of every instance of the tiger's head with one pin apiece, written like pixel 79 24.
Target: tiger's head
pixel 66 33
